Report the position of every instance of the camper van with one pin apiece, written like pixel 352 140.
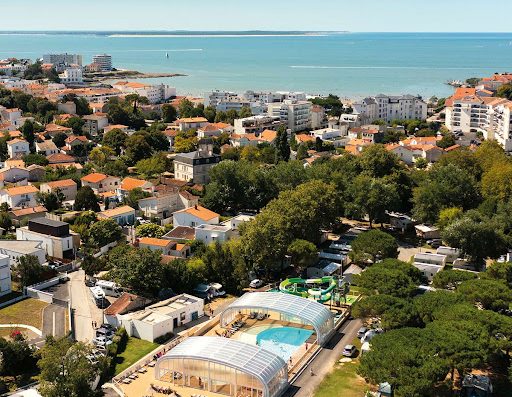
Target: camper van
pixel 98 297
pixel 109 288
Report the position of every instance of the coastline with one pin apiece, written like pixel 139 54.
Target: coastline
pixel 127 74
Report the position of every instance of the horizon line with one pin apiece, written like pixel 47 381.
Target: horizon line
pixel 231 31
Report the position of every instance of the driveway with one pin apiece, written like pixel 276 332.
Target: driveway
pixel 84 309
pixel 54 320
pixel 305 384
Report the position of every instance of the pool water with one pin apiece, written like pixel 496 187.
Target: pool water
pixel 283 341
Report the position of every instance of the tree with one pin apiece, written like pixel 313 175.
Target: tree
pixel 149 230
pixel 52 200
pixel 499 271
pixel 282 145
pixel 17 356
pixel 86 200
pixel 444 187
pixel 153 166
pixel 185 108
pixel 135 100
pixel 505 91
pixel 377 162
pixel 302 152
pixel 35 158
pixel 210 113
pixel 184 145
pixel 28 270
pixel 66 369
pixel 476 237
pixel 101 155
pixel 421 163
pixel 446 141
pixel 491 294
pixel 407 359
pixel 91 265
pixel 497 182
pixel 245 112
pixel 394 312
pixel 5 221
pixel 449 215
pixel 169 113
pixel 116 139
pixel 449 279
pixel 59 139
pixel 303 253
pixel 390 277
pixel 137 148
pixel 427 305
pixel 27 129
pixel 374 245
pixel 133 197
pixel 75 123
pixel 139 270
pixel 372 197
pixel 104 232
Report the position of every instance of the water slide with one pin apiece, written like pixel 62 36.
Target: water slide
pixel 302 287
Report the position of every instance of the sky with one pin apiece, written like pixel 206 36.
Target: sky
pixel 306 15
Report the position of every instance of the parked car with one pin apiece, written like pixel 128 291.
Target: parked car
pixel 361 332
pixel 256 283
pixel 349 351
pixel 435 243
pixel 101 341
pixel 107 333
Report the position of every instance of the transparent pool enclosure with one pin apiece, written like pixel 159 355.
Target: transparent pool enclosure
pixel 224 366
pixel 290 308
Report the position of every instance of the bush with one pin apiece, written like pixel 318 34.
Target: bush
pixel 164 338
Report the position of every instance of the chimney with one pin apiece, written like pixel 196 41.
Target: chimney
pixel 195 206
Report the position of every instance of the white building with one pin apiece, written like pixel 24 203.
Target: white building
pixel 195 166
pixel 163 317
pixel 54 236
pixel 19 196
pixel 72 75
pixel 164 203
pixel 63 59
pixel 17 148
pixel 155 93
pixel 257 124
pixel 295 114
pixel 195 216
pixel 388 108
pixel 14 249
pixel 104 61
pixel 209 233
pixel 5 275
pixel 101 183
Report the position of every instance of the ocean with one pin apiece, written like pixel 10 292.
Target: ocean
pixel 350 65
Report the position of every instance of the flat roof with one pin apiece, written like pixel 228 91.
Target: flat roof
pixel 48 222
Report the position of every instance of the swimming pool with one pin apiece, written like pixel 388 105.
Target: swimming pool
pixel 283 341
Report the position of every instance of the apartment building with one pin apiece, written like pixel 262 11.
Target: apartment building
pixel 5 275
pixel 63 59
pixel 94 123
pixel 388 108
pixel 295 114
pixel 72 76
pixel 104 61
pixel 258 124
pixel 155 93
pixel 194 166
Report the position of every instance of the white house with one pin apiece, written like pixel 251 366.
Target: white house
pixel 17 148
pixel 16 248
pixel 191 123
pixel 162 317
pixel 209 233
pixel 71 76
pixel 19 197
pixel 13 175
pixel 55 236
pixel 195 216
pixel 94 123
pixel 429 270
pixel 101 183
pixel 167 247
pixel 155 93
pixel 5 275
pixel 124 215
pixel 67 187
pixel 47 148
pixel 128 184
pixel 164 203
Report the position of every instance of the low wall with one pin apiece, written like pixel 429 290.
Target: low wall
pixel 40 295
pixel 12 301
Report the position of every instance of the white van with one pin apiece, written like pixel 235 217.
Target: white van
pixel 98 296
pixel 109 288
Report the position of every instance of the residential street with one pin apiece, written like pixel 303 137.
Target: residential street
pixel 323 363
pixel 85 311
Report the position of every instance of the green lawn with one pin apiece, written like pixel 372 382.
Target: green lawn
pixel 28 311
pixel 135 350
pixel 343 380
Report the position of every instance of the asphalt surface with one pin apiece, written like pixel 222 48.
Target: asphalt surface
pixel 305 384
pixel 54 315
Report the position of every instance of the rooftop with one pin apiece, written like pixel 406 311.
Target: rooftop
pixel 117 211
pixel 199 212
pixel 94 177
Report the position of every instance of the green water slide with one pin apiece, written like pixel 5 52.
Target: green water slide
pixel 297 286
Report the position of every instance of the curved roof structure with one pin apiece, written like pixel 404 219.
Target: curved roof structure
pixel 250 359
pixel 308 311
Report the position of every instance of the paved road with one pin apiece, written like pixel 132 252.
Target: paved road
pixel 54 321
pixel 305 384
pixel 85 311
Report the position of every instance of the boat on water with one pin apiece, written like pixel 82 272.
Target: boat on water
pixel 167 55
pixel 455 83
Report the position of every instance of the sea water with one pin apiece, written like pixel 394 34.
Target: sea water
pixel 346 64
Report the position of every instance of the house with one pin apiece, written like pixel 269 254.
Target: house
pixel 476 385
pixel 17 148
pixel 10 115
pixel 304 138
pixel 121 127
pixel 94 123
pixel 451 254
pixel 67 187
pixel 14 249
pixel 170 134
pixel 372 133
pixel 162 318
pixel 208 131
pixel 74 141
pixel 167 247
pixel 46 148
pixel 243 140
pixel 191 123
pixel 128 184
pixel 195 216
pixel 55 237
pixel 405 153
pixel 54 129
pixel 19 197
pixel 126 303
pixel 13 175
pixel 60 158
pixel 195 166
pixel 268 136
pixel 181 234
pixel 124 215
pixel 35 172
pixel 209 233
pixel 165 202
pixel 356 146
pixel 5 275
pixel 101 183
pixel 426 232
pixel 400 221
pixel 24 214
